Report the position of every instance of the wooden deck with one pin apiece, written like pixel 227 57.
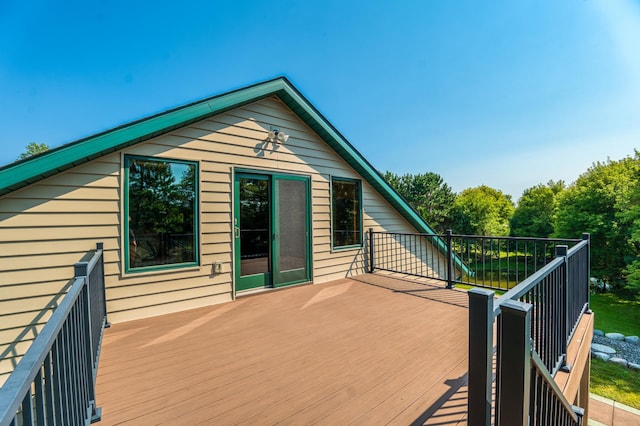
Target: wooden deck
pixel 371 349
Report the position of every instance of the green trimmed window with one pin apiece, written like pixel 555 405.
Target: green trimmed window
pixel 161 203
pixel 346 213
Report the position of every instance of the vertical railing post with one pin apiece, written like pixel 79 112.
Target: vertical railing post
pixel 515 364
pixel 561 251
pixel 580 415
pixel 449 259
pixel 480 356
pixel 587 237
pixel 371 265
pixel 81 271
pixel 100 246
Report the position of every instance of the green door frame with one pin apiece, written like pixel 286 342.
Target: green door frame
pixel 275 277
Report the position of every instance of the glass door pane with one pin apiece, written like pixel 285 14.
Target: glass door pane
pixel 253 231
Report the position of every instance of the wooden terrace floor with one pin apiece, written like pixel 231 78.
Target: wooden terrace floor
pixel 371 349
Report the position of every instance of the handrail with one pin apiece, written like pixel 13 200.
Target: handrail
pixel 550 240
pixel 576 249
pixel 504 238
pixel 523 288
pixel 481 261
pixel 538 364
pixel 60 363
pixel 19 382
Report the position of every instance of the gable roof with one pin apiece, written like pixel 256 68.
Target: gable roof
pixel 22 173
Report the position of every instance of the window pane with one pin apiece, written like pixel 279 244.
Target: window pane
pixel 346 213
pixel 162 212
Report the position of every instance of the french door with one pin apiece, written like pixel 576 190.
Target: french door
pixel 271 230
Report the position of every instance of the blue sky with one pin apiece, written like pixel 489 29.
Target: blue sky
pixel 503 93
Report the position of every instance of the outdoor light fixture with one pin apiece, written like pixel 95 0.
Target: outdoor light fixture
pixel 276 136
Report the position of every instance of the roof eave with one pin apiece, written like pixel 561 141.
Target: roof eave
pixel 75 153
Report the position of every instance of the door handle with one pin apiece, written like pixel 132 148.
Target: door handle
pixel 236 231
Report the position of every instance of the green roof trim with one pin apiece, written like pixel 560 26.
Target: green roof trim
pixel 22 173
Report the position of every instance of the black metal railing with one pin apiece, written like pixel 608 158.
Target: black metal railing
pixel 535 322
pixel 498 263
pixel 410 254
pixel 549 406
pixel 54 382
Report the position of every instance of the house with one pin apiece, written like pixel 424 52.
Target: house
pixel 245 191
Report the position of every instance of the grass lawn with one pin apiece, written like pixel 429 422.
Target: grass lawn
pixel 616 313
pixel 469 287
pixel 615 382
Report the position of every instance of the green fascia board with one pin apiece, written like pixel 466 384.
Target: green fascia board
pixel 22 173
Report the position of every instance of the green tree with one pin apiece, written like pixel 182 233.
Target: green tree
pixel 594 204
pixel 33 149
pixel 629 216
pixel 482 211
pixel 156 208
pixel 428 194
pixel 535 214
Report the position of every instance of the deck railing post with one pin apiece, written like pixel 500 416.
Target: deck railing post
pixel 100 246
pixel 480 356
pixel 81 271
pixel 587 237
pixel 515 364
pixel 371 250
pixel 449 234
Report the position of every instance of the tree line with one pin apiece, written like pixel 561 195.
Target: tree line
pixel 604 201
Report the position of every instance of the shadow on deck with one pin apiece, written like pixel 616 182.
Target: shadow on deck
pixel 371 349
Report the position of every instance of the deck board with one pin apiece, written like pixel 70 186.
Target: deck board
pixel 371 349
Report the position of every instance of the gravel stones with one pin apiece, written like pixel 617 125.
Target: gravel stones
pixel 620 361
pixel 614 336
pixel 624 350
pixel 600 355
pixel 632 339
pixel 598 347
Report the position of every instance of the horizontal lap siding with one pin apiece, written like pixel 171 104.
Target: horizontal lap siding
pixel 47 227
pixel 44 230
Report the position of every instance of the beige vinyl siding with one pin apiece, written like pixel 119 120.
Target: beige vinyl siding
pixel 46 227
pixel 44 230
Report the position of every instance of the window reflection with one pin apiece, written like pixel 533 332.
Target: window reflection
pixel 162 212
pixel 346 213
